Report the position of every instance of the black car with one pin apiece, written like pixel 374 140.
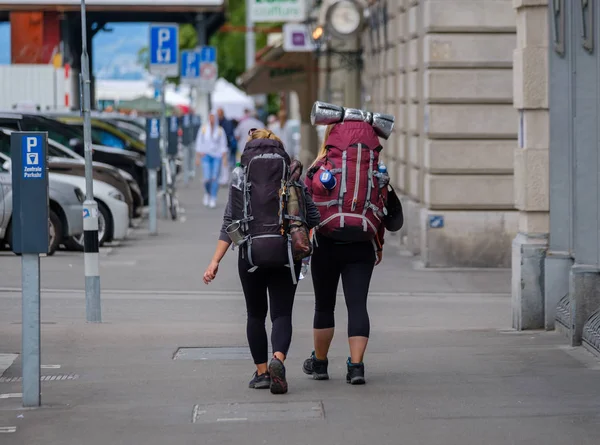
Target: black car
pixel 72 137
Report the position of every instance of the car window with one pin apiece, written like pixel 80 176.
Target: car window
pixel 10 124
pixel 56 134
pixel 4 144
pixel 108 139
pixel 55 152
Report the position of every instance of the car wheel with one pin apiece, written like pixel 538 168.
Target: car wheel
pixel 76 243
pixel 54 232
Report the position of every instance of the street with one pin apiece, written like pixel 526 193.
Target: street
pixel 443 367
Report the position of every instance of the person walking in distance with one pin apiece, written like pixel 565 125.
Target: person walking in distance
pixel 211 151
pixel 260 224
pixel 348 241
pixel 228 127
pixel 247 123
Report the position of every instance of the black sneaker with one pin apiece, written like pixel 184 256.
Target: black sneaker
pixel 262 381
pixel 356 373
pixel 277 372
pixel 316 368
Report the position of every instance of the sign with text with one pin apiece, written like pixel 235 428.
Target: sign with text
pixel 153 143
pixel 173 136
pixel 208 69
pixel 30 192
pixel 296 38
pixel 277 10
pixel 164 49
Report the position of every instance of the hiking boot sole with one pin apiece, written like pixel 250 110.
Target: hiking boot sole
pixel 356 381
pixel 260 385
pixel 278 383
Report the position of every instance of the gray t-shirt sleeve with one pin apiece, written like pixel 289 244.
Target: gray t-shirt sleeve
pixel 226 221
pixel 313 217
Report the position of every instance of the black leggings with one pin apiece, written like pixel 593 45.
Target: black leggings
pixel 282 291
pixel 354 262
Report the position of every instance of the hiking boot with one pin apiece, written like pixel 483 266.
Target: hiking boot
pixel 356 373
pixel 315 367
pixel 277 372
pixel 262 381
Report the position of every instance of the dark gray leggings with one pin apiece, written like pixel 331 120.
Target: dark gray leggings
pixel 281 292
pixel 354 263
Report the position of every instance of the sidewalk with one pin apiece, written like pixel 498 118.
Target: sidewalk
pixel 443 367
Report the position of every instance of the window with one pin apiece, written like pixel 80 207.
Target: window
pixel 4 145
pixel 108 139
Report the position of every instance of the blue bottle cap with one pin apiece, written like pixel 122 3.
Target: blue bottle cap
pixel 327 179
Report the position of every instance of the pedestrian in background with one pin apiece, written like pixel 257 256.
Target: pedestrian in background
pixel 283 130
pixel 247 123
pixel 232 145
pixel 263 263
pixel 211 152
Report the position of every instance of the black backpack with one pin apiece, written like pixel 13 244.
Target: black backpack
pixel 261 205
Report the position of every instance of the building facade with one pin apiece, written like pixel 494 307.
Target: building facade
pixel 444 69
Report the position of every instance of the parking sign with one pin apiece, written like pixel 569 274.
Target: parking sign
pixel 208 68
pixel 164 49
pixel 190 67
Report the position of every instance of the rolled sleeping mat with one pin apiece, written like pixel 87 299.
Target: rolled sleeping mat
pixel 327 114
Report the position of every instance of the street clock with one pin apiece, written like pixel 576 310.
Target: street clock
pixel 345 18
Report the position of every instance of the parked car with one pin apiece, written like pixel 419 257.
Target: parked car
pixel 104 133
pixel 113 215
pixel 65 161
pixel 65 212
pixel 72 137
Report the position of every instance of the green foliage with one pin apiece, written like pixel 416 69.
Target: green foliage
pixel 231 46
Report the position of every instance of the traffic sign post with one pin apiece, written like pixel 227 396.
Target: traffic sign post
pixel 190 67
pixel 164 49
pixel 187 146
pixel 208 69
pixel 153 161
pixel 164 62
pixel 30 238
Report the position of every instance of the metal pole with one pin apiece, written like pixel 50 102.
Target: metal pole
pixel 163 145
pixel 250 39
pixel 187 152
pixel 30 316
pixel 93 310
pixel 152 201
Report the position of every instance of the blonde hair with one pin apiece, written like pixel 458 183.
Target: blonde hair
pixel 263 134
pixel 323 150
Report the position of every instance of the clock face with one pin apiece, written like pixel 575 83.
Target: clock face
pixel 345 17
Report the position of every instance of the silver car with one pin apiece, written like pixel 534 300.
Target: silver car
pixel 66 209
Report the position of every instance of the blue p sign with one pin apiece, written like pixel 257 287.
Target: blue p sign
pixel 33 157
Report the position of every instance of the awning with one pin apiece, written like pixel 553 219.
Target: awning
pixel 277 71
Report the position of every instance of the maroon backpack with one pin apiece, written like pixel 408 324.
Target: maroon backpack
pixel 353 209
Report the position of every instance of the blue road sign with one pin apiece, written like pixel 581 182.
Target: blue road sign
pixel 164 49
pixel 208 54
pixel 190 66
pixel 34 164
pixel 436 221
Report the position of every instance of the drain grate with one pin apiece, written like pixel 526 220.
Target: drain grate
pixel 257 412
pixel 44 378
pixel 215 353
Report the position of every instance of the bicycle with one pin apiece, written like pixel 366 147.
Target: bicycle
pixel 171 193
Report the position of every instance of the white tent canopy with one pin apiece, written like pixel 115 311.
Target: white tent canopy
pixel 226 95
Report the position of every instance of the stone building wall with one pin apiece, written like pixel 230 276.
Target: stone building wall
pixel 446 73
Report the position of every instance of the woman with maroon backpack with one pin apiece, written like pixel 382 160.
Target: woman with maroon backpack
pixel 268 216
pixel 349 186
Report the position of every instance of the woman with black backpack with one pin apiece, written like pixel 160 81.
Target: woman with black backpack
pixel 349 186
pixel 268 216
